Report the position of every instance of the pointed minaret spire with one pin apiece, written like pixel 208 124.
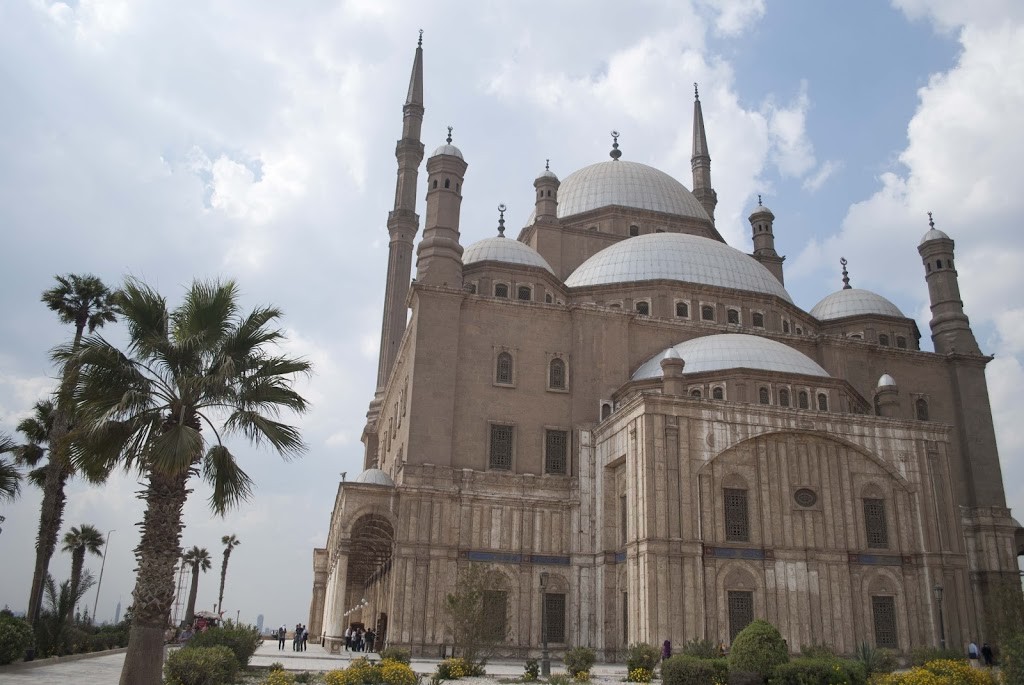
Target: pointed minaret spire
pixel 415 96
pixel 501 220
pixel 700 162
pixel 846 275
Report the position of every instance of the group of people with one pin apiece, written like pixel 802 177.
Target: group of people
pixel 985 653
pixel 299 639
pixel 359 640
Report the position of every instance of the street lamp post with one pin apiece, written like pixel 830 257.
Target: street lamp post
pixel 545 658
pixel 103 565
pixel 942 624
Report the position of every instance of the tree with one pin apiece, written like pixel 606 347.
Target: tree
pixel 229 542
pixel 10 475
pixel 200 560
pixel 78 541
pixel 85 302
pixel 54 628
pixel 477 613
pixel 202 365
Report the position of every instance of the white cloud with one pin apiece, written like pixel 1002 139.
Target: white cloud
pixel 736 16
pixel 815 181
pixel 792 151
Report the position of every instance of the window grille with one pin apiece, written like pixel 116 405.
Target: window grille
pixel 883 610
pixel 875 524
pixel 921 409
pixel 785 327
pixel 737 525
pixel 733 316
pixel 783 398
pixel 643 308
pixel 500 290
pixel 495 609
pixel 707 313
pixel 718 393
pixel 623 519
pixel 634 230
pixel 556 450
pixel 625 618
pixel 803 399
pixel 741 611
pixel 901 342
pixel 695 393
pixel 503 373
pixel 883 340
pixel 758 320
pixel 556 374
pixel 524 293
pixel 762 396
pixel 554 617
pixel 822 402
pixel 471 288
pixel 682 310
pixel 501 447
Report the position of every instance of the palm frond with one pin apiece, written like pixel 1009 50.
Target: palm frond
pixel 175 449
pixel 37 476
pixel 231 485
pixel 258 428
pixel 10 481
pixel 145 314
pixel 205 317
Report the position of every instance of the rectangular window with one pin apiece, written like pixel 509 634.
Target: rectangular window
pixel 495 608
pixel 737 525
pixel 623 521
pixel 501 447
pixel 758 320
pixel 707 313
pixel 883 610
pixel 625 618
pixel 556 449
pixel 554 617
pixel 741 612
pixel 643 308
pixel 875 524
pixel 733 316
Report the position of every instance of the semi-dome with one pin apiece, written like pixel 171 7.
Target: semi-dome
pixel 854 302
pixel 734 351
pixel 676 257
pixel 886 381
pixel 507 250
pixel 447 149
pixel 375 477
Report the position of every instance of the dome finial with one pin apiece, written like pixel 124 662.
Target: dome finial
pixel 696 94
pixel 501 220
pixel 759 200
pixel 449 138
pixel 616 152
pixel 931 221
pixel 547 165
pixel 419 43
pixel 846 276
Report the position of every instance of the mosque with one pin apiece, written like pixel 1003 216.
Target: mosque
pixel 642 437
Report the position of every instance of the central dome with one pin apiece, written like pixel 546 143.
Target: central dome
pixel 626 184
pixel 677 257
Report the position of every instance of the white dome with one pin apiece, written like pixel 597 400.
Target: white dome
pixel 734 351
pixel 448 149
pixel 626 184
pixel 854 302
pixel 886 381
pixel 375 477
pixel 934 234
pixel 676 257
pixel 505 250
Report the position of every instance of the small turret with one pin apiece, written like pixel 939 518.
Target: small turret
pixel 439 257
pixel 547 195
pixel 951 329
pixel 887 397
pixel 761 220
pixel 672 373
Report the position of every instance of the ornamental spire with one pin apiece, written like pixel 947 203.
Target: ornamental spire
pixel 616 152
pixel 501 220
pixel 846 275
pixel 415 95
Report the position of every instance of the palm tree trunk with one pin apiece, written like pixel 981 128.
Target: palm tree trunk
pixel 77 563
pixel 51 516
pixel 157 555
pixel 190 611
pixel 223 575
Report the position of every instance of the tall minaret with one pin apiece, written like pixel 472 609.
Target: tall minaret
pixel 701 161
pixel 951 329
pixel 403 223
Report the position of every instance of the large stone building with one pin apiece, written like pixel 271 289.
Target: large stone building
pixel 622 404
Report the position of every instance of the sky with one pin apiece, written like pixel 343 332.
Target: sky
pixel 254 140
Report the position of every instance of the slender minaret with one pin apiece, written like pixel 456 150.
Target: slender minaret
pixel 951 329
pixel 761 220
pixel 547 195
pixel 439 255
pixel 701 161
pixel 403 223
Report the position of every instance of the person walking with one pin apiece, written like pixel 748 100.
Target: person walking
pixel 282 632
pixel 986 652
pixel 370 637
pixel 348 638
pixel 666 650
pixel 972 654
pixel 305 637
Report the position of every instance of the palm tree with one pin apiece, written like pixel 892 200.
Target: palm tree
pixel 200 560
pixel 10 475
pixel 85 302
pixel 189 377
pixel 229 542
pixel 78 541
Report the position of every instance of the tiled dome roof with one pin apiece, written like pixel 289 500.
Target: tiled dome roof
pixel 854 302
pixel 734 351
pixel 506 250
pixel 375 477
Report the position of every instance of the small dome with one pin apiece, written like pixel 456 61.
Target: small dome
pixel 676 257
pixel 934 234
pixel 547 173
pixel 671 353
pixel 734 351
pixel 448 149
pixel 374 477
pixel 761 211
pixel 505 250
pixel 886 381
pixel 854 302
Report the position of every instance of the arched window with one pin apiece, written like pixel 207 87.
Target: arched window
pixel 783 397
pixel 683 310
pixel 447 183
pixel 503 372
pixel 642 308
pixel 883 340
pixel 707 312
pixel 762 396
pixel 501 290
pixel 803 400
pixel 548 299
pixel 921 409
pixel 901 342
pixel 606 410
pixel 718 393
pixel 435 183
pixel 634 230
pixel 556 374
pixel 822 402
pixel 471 288
pixel 799 331
pixel 785 327
pixel 524 293
pixel 757 319
pixel 695 393
pixel 732 316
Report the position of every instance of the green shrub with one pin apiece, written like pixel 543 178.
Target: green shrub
pixel 818 650
pixel 395 654
pixel 642 655
pixel 737 677
pixel 15 638
pixel 702 649
pixel 759 648
pixel 640 675
pixel 200 666
pixel 819 671
pixel 1011 659
pixel 278 676
pixel 919 656
pixel 241 640
pixel 579 660
pixel 559 679
pixel 684 669
pixel 875 660
pixel 531 671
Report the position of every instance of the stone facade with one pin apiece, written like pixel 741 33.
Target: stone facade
pixel 818 471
